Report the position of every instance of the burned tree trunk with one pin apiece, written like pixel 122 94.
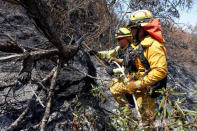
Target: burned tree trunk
pixel 48 20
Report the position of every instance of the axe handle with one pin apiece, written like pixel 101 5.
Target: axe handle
pixel 102 63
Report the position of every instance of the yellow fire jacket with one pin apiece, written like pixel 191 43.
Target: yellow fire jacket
pixel 155 53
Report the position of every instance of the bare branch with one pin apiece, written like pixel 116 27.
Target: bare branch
pixel 17 122
pixel 37 98
pixel 96 78
pixel 35 54
pixel 50 96
pixel 10 47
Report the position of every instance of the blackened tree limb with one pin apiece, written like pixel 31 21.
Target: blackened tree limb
pixel 50 97
pixel 26 69
pixel 14 125
pixel 7 47
pixel 10 47
pixel 18 121
pixel 49 22
pixel 35 54
pixel 27 64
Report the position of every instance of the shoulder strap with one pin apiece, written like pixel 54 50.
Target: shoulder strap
pixel 119 54
pixel 129 60
pixel 144 61
pixel 131 55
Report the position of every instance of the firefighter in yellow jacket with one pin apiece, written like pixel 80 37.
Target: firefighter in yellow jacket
pixel 124 37
pixel 147 55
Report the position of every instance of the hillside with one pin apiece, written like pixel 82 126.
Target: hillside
pixel 45 84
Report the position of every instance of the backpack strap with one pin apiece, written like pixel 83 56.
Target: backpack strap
pixel 144 61
pixel 120 54
pixel 140 53
pixel 129 60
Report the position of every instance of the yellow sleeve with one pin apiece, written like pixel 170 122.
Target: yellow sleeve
pixel 108 54
pixel 158 65
pixel 118 70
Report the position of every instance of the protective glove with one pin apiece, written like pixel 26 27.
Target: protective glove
pixel 118 70
pixel 93 52
pixel 132 87
pixel 109 70
pixel 119 61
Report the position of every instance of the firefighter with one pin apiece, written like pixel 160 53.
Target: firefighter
pixel 148 55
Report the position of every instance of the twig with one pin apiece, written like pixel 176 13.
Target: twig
pixel 71 40
pixel 37 98
pixel 19 119
pixel 49 75
pixel 32 48
pixel 89 75
pixel 165 105
pixel 189 111
pixel 11 57
pixel 38 82
pixel 50 96
pixel 122 18
pixel 179 109
pixel 7 95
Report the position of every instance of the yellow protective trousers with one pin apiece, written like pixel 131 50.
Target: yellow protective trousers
pixel 145 102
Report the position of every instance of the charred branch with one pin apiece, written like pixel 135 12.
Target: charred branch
pixel 50 98
pixel 36 55
pixel 10 48
pixel 18 121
